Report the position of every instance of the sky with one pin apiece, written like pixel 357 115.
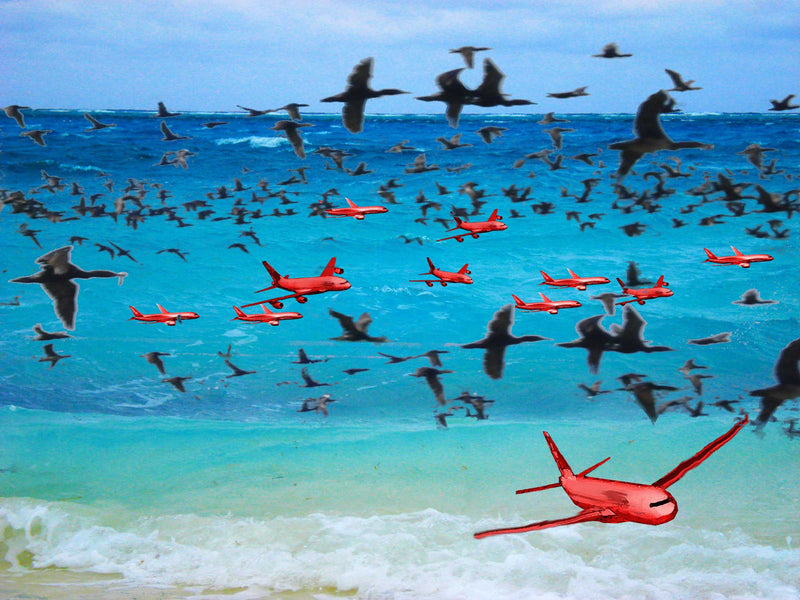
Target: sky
pixel 212 55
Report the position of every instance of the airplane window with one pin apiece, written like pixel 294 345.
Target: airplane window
pixel 659 503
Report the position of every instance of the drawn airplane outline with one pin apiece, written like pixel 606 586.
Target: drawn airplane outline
pixel 267 316
pixel 743 260
pixel 164 316
pixel 355 211
pixel 444 277
pixel 546 305
pixel 573 280
pixel 474 228
pixel 302 287
pixel 612 501
pixel 659 290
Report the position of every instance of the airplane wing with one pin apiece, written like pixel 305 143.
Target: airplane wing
pixel 279 298
pixel 330 268
pixel 459 237
pixel 690 463
pixel 588 514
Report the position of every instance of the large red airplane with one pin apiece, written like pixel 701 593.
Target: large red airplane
pixel 302 287
pixel 546 305
pixel 267 316
pixel 659 290
pixel 444 277
pixel 743 260
pixel 358 212
pixel 573 281
pixel 611 501
pixel 170 318
pixel 474 228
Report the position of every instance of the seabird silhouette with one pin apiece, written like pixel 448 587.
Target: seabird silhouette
pixel 581 91
pixel 718 338
pixel 679 83
pixel 777 105
pixel 488 93
pixel 43 336
pixel 468 53
pixel 52 356
pixel 308 381
pixel 498 338
pixel 452 92
pixel 164 113
pixel 169 136
pixel 13 111
pixel 303 359
pixel 431 376
pixel 611 51
pixel 290 129
pixel 36 135
pixel 176 382
pixel 96 125
pixel 154 358
pixel 752 297
pixel 253 112
pixel 55 277
pixel 318 405
pixel 355 331
pixel 788 377
pixel 292 109
pixel 356 95
pixel 650 136
pixel 237 372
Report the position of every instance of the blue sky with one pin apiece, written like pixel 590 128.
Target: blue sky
pixel 212 55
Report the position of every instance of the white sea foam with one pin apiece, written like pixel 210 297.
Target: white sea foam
pixel 254 141
pixel 425 554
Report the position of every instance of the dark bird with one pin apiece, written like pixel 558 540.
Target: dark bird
pixel 308 381
pixel 14 111
pixel 395 359
pixel 453 93
pixel 452 143
pixel 355 331
pixel 317 405
pixel 303 359
pixel 679 83
pixel 433 357
pixel 777 105
pixel 212 124
pixel 36 135
pixel 96 125
pixel 498 338
pixel 169 136
pixel 611 51
pixel 43 336
pixel 164 113
pixel 290 130
pixel 490 133
pixel 650 136
pixel 752 297
pixel 353 371
pixel 718 338
pixel 431 377
pixel 253 112
pixel 52 356
pixel 581 91
pixel 644 394
pixel 489 93
pixel 176 382
pixel 154 358
pixel 237 372
pixel 594 390
pixel 479 403
pixel 788 387
pixel 593 337
pixel 356 95
pixel 226 354
pixel 292 109
pixel 468 53
pixel 55 277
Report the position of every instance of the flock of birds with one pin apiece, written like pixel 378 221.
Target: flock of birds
pixel 135 206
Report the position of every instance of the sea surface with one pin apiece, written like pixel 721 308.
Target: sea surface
pixel 115 484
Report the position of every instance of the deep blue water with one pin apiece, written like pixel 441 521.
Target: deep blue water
pixel 100 450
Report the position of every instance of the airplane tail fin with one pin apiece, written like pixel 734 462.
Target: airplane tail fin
pixel 621 283
pixel 561 462
pixel 736 252
pixel 458 223
pixel 136 313
pixel 430 264
pixel 162 309
pixel 709 253
pixel 350 203
pixel 547 277
pixel 544 298
pixel 572 274
pixel 239 311
pixel 272 273
pixel 517 300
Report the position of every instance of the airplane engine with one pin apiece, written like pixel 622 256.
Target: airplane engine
pixel 338 270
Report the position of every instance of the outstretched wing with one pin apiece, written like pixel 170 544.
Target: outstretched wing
pixel 588 514
pixel 690 463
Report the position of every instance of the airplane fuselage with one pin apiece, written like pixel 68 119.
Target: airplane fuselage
pixel 625 501
pixel 450 277
pixel 578 283
pixel 550 306
pixel 170 318
pixel 743 261
pixel 356 212
pixel 483 226
pixel 273 318
pixel 313 285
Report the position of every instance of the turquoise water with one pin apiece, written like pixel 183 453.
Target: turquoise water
pixel 227 489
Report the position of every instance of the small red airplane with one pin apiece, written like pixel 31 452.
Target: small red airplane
pixel 743 260
pixel 611 501
pixel 170 318
pixel 445 277
pixel 358 212
pixel 546 305
pixel 302 287
pixel 659 290
pixel 267 316
pixel 476 227
pixel 573 281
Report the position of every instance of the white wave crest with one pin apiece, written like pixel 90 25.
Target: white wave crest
pixel 254 141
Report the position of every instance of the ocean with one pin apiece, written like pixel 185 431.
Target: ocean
pixel 116 484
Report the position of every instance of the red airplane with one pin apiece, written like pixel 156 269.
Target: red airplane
pixel 743 260
pixel 267 316
pixel 302 287
pixel 444 277
pixel 358 212
pixel 574 281
pixel 476 227
pixel 170 318
pixel 659 290
pixel 546 305
pixel 611 501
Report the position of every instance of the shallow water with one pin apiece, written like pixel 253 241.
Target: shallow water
pixel 112 480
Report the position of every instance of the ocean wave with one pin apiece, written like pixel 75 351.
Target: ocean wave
pixel 255 141
pixel 424 554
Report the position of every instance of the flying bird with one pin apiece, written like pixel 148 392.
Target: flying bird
pixel 356 95
pixel 611 51
pixel 355 331
pixel 787 375
pixel 14 111
pixel 154 358
pixel 96 125
pixel 679 83
pixel 290 129
pixel 468 53
pixel 52 356
pixel 431 377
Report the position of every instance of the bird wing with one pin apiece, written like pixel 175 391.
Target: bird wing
pixel 492 78
pixel 677 80
pixel 353 115
pixel 346 322
pixel 493 361
pixel 648 117
pixel 786 367
pixel 588 514
pixel 690 463
pixel 363 322
pixel 64 294
pixel 296 141
pixel 361 74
